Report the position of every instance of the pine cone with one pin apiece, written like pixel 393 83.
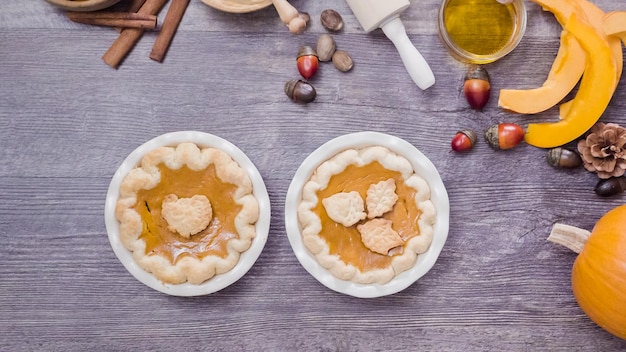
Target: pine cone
pixel 604 150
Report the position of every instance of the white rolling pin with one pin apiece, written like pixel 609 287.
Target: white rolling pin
pixel 385 14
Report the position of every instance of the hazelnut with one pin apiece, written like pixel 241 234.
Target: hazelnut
pixel 342 61
pixel 331 20
pixel 325 47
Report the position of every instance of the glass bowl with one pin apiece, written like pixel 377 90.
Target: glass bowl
pixel 466 38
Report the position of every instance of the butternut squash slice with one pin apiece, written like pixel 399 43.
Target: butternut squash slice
pixel 596 17
pixel 614 23
pixel 561 9
pixel 599 20
pixel 563 76
pixel 566 70
pixel 594 93
pixel 565 73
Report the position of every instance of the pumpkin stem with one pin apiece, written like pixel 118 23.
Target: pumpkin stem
pixel 571 237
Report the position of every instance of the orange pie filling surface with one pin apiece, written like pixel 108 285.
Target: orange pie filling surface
pixel 184 182
pixel 187 213
pixel 346 241
pixel 366 215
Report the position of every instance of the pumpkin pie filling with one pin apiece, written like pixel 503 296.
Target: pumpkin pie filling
pixel 187 213
pixel 185 182
pixel 346 241
pixel 366 215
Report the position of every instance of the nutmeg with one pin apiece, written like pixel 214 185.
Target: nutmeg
pixel 331 20
pixel 300 91
pixel 326 47
pixel 342 61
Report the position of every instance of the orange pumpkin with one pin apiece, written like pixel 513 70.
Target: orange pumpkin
pixel 599 272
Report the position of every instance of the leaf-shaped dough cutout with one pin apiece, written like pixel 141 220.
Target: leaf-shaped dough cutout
pixel 378 236
pixel 381 198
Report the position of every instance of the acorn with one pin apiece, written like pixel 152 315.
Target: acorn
pixel 307 61
pixel 611 186
pixel 477 87
pixel 504 135
pixel 463 141
pixel 300 91
pixel 563 158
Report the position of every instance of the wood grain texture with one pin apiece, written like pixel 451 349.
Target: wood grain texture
pixel 67 121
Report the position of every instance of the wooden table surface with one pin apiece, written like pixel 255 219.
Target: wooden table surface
pixel 67 121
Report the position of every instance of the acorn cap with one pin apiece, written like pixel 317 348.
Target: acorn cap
pixel 491 136
pixel 477 72
pixel 306 50
pixel 470 134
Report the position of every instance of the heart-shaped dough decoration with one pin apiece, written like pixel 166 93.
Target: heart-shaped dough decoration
pixel 186 216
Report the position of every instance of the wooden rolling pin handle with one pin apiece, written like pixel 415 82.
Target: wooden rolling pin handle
pixel 297 25
pixel 289 15
pixel 285 10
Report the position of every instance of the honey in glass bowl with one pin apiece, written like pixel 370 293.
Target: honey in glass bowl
pixel 481 31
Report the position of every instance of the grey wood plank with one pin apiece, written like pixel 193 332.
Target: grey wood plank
pixel 67 121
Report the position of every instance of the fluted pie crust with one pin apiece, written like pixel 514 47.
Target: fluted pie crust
pixel 337 247
pixel 194 173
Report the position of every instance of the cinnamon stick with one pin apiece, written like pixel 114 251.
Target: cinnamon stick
pixel 114 19
pixel 133 6
pixel 129 36
pixel 168 29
